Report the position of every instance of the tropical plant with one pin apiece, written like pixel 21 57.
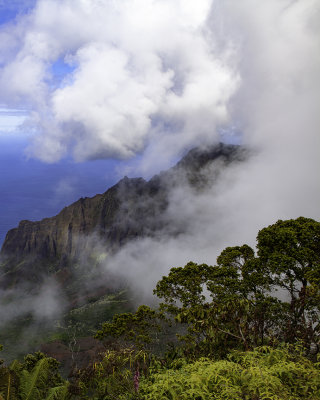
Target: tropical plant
pixel 37 378
pixel 116 376
pixel 249 329
pixel 262 374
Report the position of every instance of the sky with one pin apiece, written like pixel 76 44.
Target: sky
pixel 127 87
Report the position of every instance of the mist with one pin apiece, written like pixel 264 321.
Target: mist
pixel 45 304
pixel 155 78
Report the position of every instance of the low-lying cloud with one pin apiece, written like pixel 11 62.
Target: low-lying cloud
pixel 45 304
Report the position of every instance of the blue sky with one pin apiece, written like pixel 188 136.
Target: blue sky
pixel 101 80
pixel 31 189
pixel 9 9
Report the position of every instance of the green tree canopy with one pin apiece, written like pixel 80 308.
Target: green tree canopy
pixel 246 299
pixel 251 298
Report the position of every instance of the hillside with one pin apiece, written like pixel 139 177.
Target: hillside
pixel 132 208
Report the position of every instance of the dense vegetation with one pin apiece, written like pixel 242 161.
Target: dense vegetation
pixel 246 328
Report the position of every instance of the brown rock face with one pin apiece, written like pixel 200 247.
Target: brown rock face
pixel 130 209
pixel 53 243
pixel 56 237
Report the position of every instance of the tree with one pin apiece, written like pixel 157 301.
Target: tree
pixel 116 376
pixel 271 296
pixel 290 251
pixel 137 327
pixel 246 300
pixel 223 306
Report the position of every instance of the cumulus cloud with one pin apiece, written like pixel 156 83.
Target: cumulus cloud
pixel 140 72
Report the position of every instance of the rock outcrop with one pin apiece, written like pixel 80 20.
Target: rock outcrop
pixel 132 208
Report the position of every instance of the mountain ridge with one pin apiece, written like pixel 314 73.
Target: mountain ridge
pixel 131 208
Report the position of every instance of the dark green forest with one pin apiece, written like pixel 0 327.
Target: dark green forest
pixel 245 328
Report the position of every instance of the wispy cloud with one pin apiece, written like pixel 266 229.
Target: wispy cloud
pixel 11 119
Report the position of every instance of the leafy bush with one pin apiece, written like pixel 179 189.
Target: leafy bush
pixel 262 374
pixel 37 378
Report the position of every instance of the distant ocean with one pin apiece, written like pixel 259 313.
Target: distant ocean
pixel 30 189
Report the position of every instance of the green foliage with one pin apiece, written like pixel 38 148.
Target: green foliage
pixel 116 376
pixel 265 373
pixel 37 378
pixel 59 392
pixel 235 316
pixel 33 382
pixel 290 251
pixel 230 319
pixel 183 285
pixel 8 384
pixel 241 308
pixel 135 327
pixel 88 316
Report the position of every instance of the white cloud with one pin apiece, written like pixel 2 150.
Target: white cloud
pixel 45 305
pixel 138 65
pixel 10 120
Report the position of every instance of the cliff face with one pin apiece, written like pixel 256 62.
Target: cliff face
pixel 132 208
pixel 53 237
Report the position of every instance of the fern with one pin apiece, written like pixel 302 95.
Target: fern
pixel 264 374
pixel 32 383
pixel 58 393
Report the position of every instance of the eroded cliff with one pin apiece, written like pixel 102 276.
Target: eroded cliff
pixel 132 208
